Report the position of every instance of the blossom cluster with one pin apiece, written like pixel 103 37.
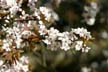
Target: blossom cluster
pixel 19 66
pixel 90 12
pixel 16 34
pixel 21 30
pixel 66 40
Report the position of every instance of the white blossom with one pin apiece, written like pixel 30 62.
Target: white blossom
pixel 10 2
pixel 82 32
pixel 85 69
pixel 49 14
pixel 90 12
pixel 86 49
pixel 42 29
pixel 19 66
pixel 66 40
pixel 6 45
pixel 53 33
pixel 14 9
pixel 25 34
pixel 79 45
pixel 1 62
pixel 31 4
pixel 104 34
pixel 91 21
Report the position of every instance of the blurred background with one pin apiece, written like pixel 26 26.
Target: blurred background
pixel 90 14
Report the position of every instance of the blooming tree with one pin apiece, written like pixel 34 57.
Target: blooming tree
pixel 23 25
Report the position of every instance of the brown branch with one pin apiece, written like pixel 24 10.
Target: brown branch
pixel 28 18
